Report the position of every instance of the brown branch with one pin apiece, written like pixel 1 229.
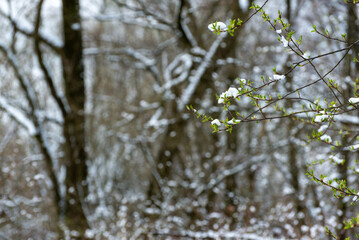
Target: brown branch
pixel 307 85
pixel 36 119
pixel 346 193
pixel 28 33
pixel 179 24
pixel 37 40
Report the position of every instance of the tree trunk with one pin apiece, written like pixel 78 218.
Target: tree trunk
pixel 74 122
pixel 349 70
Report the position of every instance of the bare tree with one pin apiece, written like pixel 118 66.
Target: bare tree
pixel 69 101
pixel 96 132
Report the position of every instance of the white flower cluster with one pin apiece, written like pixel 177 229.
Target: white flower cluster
pixel 231 92
pixel 278 77
pixel 336 159
pixel 326 138
pixel 306 55
pixel 354 100
pixel 323 128
pixel 321 117
pixel 352 148
pixel 242 80
pixel 216 122
pixel 284 41
pixel 233 121
pixel 217 25
pixel 355 198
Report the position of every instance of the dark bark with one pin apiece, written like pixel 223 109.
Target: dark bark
pixel 39 137
pixel 184 39
pixel 349 70
pixel 170 151
pixel 74 122
pixel 294 166
pixel 353 32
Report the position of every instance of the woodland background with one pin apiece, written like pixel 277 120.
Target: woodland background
pixel 96 141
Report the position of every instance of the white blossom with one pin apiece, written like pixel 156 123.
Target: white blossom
pixel 242 80
pixel 321 118
pixel 306 55
pixel 232 92
pixel 216 122
pixel 336 159
pixel 279 31
pixel 354 100
pixel 352 148
pixel 326 138
pixel 284 41
pixel 355 198
pixel 278 77
pixel 323 128
pixel 221 98
pixel 233 121
pixel 221 25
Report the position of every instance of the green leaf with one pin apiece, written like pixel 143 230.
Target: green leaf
pixel 327 32
pixel 314 28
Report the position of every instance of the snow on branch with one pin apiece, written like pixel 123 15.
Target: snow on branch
pixel 148 63
pixel 158 123
pixel 195 79
pixel 24 81
pixel 61 101
pixel 183 30
pixel 18 116
pixel 35 125
pixel 180 68
pixel 27 29
pixel 352 148
pixel 8 136
pixel 188 32
pixel 226 173
pixel 347 119
pixel 151 15
pixel 145 23
pixel 250 161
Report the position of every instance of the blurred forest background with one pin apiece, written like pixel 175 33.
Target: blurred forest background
pixel 96 142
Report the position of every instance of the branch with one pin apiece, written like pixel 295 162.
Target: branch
pixel 36 117
pixel 345 192
pixel 18 116
pixel 183 28
pixel 226 173
pixel 8 136
pixel 132 21
pixel 177 71
pixel 305 86
pixel 142 143
pixel 148 63
pixel 61 101
pixel 195 79
pixel 54 44
pixel 24 81
pixel 145 9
